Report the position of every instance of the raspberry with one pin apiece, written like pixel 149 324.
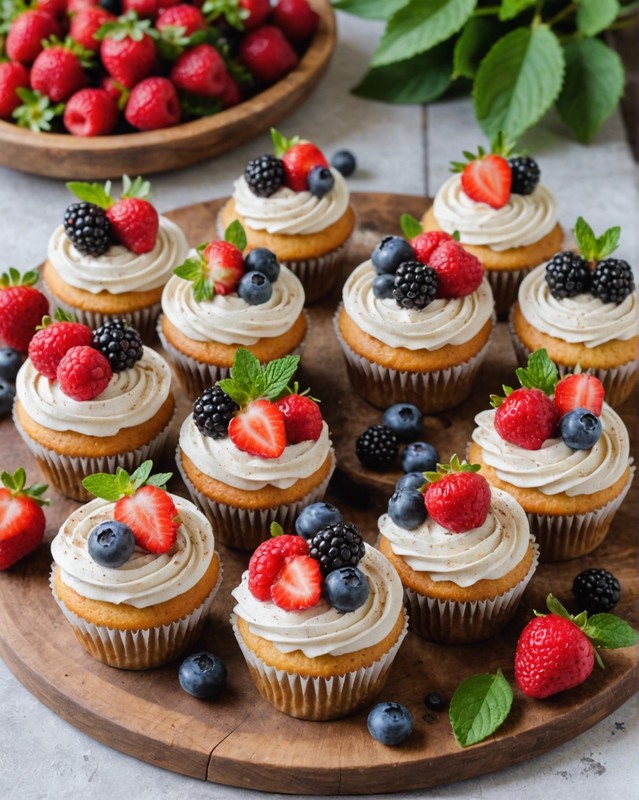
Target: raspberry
pixel 459 272
pixel 51 344
pixel 426 243
pixel 268 559
pixel 83 373
pixel 527 417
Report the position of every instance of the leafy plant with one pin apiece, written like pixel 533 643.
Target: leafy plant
pixel 517 57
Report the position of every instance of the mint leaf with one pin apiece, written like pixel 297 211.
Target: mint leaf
pixel 235 235
pixel 103 485
pixel 161 479
pixel 478 36
pixel 410 226
pixel 246 381
pixel 518 81
pixel 418 26
pixel 512 8
pixel 236 393
pixel 479 706
pixel 281 144
pixel 92 193
pixel 203 289
pixel 276 529
pixel 139 477
pixel 277 375
pixel 592 87
pixel 190 270
pixel 369 9
pixel 608 242
pixel 419 79
pixel 594 16
pixel 541 373
pixel 610 632
pixel 586 239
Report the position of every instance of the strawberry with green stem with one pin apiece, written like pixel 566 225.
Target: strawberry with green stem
pixel 128 48
pixel 59 70
pixel 457 497
pixel 299 158
pixel 22 520
pixel 218 267
pixel 302 416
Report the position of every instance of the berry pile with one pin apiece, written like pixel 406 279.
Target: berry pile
pixel 93 68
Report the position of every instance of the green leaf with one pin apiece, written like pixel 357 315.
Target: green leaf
pixel 555 607
pixel 235 235
pixel 410 226
pixel 281 144
pixel 586 239
pixel 103 485
pixel 592 87
pixel 608 242
pixel 161 479
pixel 139 477
pixel 277 375
pixel 420 25
pixel 479 706
pixel 594 16
pixel 276 529
pixel 541 372
pixel 478 36
pixel 518 81
pixel 512 8
pixel 190 270
pixel 419 79
pixel 610 632
pixel 138 188
pixel 94 193
pixel 203 289
pixel 369 9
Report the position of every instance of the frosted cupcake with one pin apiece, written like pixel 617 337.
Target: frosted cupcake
pixel 136 593
pixel 503 215
pixel 294 204
pixel 112 258
pixel 584 310
pixel 463 551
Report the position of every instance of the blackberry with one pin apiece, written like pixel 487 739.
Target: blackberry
pixel 415 285
pixel 597 591
pixel 213 411
pixel 612 280
pixel 525 171
pixel 567 275
pixel 337 546
pixel 264 175
pixel 119 342
pixel 376 448
pixel 88 227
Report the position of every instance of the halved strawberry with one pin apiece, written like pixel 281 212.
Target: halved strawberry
pixel 488 180
pixel 302 418
pixel 225 266
pixel 259 430
pixel 298 161
pixel 268 559
pixel 22 521
pixel 579 391
pixel 152 516
pixel 298 584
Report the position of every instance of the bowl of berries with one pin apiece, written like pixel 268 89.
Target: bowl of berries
pixel 97 88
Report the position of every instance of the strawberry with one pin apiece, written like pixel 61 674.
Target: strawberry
pixel 152 516
pixel 459 272
pixel 302 418
pixel 268 559
pixel 118 92
pixel 145 9
pixel 153 104
pixel 22 521
pixel 232 93
pixel 579 391
pixel 90 112
pixel 75 6
pixel 296 19
pixel 488 180
pixel 298 584
pixel 83 373
pixel 218 267
pixel 86 23
pixel 56 8
pixel 200 70
pixel 457 497
pixel 188 18
pixel 58 73
pixel 13 75
pixel 267 54
pixel 21 308
pixel 127 50
pixel 425 244
pixel 27 31
pixel 259 430
pixel 53 339
pixel 258 11
pixel 298 158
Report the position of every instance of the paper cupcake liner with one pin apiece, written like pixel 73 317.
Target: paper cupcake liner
pixel 505 286
pixel 454 622
pixel 141 649
pixel 429 391
pixel 246 528
pixel 67 472
pixel 317 698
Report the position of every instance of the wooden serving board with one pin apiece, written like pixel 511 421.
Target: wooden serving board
pixel 239 739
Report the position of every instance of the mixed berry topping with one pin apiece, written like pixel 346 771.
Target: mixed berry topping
pixel 336 546
pixel 457 497
pixel 88 227
pixel 596 591
pixel 376 448
pixel 120 343
pixel 213 411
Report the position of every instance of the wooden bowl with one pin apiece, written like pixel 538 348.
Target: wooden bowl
pixel 57 155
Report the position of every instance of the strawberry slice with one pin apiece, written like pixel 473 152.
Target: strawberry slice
pixel 579 391
pixel 488 180
pixel 259 430
pixel 298 161
pixel 268 559
pixel 22 526
pixel 298 584
pixel 152 516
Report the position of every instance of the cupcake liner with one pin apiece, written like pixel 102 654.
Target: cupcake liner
pixel 505 286
pixel 246 528
pixel 429 391
pixel 317 698
pixel 67 472
pixel 454 622
pixel 140 649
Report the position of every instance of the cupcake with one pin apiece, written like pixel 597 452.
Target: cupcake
pixel 319 634
pixel 218 301
pixel 503 215
pixel 583 309
pixel 254 451
pixel 112 258
pixel 415 322
pixel 89 401
pixel 561 451
pixel 463 551
pixel 296 205
pixel 135 570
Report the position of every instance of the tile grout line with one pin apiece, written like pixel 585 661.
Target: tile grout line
pixel 425 141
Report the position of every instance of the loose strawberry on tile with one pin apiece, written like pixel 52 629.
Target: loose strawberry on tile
pixel 457 497
pixel 302 417
pixel 258 429
pixel 127 50
pixel 487 177
pixel 90 112
pixel 459 272
pixel 54 338
pixel 22 307
pixel 22 520
pixel 26 34
pixel 58 71
pixel 298 584
pixel 267 54
pixel 200 70
pixel 86 23
pixel 153 104
pixel 83 373
pixel 13 75
pixel 579 391
pixel 268 559
pixel 218 267
pixel 296 19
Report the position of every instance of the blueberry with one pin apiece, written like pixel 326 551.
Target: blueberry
pixel 345 162
pixel 580 429
pixel 255 288
pixel 390 723
pixel 383 286
pixel 114 6
pixel 435 701
pixel 412 480
pixel 264 261
pixel 7 393
pixel 419 457
pixel 320 181
pixel 315 517
pixel 346 588
pixel 406 508
pixel 202 675
pixel 10 363
pixel 111 543
pixel 390 253
pixel 405 420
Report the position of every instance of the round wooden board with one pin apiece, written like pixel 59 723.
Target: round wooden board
pixel 239 739
pixel 58 155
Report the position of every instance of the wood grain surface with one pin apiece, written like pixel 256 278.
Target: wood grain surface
pixel 238 739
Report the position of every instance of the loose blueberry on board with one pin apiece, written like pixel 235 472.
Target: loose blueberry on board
pixel 264 261
pixel 390 253
pixel 405 420
pixel 202 675
pixel 111 543
pixel 346 589
pixel 406 508
pixel 7 393
pixel 10 363
pixel 596 591
pixel 412 480
pixel 435 701
pixel 383 286
pixel 255 288
pixel 419 457
pixel 315 517
pixel 376 448
pixel 345 162
pixel 390 723
pixel 320 181
pixel 580 429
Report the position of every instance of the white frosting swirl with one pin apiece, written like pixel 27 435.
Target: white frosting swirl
pixel 323 630
pixel 442 322
pixel 525 219
pixel 119 270
pixel 485 553
pixel 229 319
pixel 582 319
pixel 146 578
pixel 132 397
pixel 555 467
pixel 220 459
pixel 291 212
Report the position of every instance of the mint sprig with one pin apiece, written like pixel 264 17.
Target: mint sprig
pixel 595 248
pixel 479 706
pixel 281 144
pixel 16 483
pixel 113 487
pixel 540 373
pixel 447 469
pixel 249 380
